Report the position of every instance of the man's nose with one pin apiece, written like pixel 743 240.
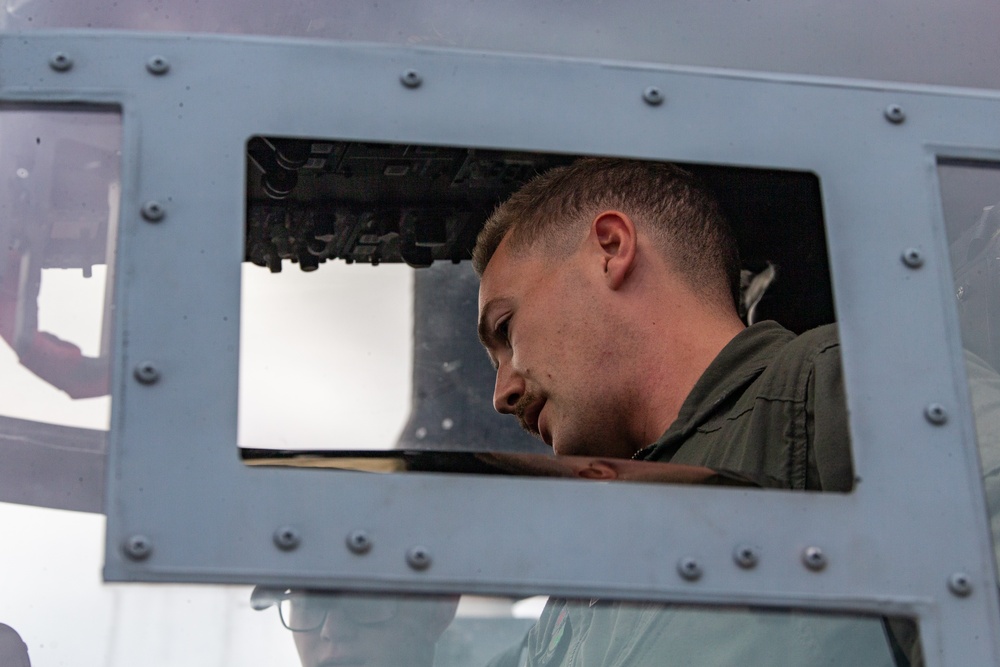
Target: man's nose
pixel 508 390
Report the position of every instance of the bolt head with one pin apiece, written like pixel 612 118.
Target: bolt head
pixel 960 584
pixel 359 542
pixel 60 62
pixel 894 114
pixel 418 558
pixel 146 372
pixel 138 547
pixel 936 414
pixel 153 211
pixel 411 78
pixel 653 96
pixel 689 569
pixel 157 65
pixel 814 558
pixel 287 538
pixel 913 258
pixel 746 556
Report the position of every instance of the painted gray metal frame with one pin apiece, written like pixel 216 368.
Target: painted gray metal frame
pixel 916 518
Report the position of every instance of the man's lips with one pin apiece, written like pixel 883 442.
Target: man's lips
pixel 527 411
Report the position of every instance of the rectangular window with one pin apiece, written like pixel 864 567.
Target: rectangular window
pixel 59 202
pixel 359 347
pixel 970 198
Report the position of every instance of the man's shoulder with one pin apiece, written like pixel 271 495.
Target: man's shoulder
pixel 788 374
pixel 808 344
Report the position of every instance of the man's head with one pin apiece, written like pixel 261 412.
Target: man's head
pixel 376 630
pixel 666 202
pixel 607 287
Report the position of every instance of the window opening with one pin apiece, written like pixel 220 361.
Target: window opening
pixel 373 242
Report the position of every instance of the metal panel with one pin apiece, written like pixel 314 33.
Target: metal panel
pixel 174 478
pixel 949 42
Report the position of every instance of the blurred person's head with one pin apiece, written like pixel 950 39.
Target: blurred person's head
pixel 13 650
pixel 374 630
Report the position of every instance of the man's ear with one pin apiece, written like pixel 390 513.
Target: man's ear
pixel 615 235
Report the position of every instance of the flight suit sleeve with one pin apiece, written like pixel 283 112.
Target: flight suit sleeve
pixel 829 446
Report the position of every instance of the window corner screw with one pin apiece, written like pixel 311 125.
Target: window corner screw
pixel 411 78
pixel 653 96
pixel 359 542
pixel 746 556
pixel 146 372
pixel 153 211
pixel 60 62
pixel 960 584
pixel 894 114
pixel 157 65
pixel 689 569
pixel 814 558
pixel 418 558
pixel 936 414
pixel 913 258
pixel 137 547
pixel 287 538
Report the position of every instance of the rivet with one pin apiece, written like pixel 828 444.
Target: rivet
pixel 746 556
pixel 814 558
pixel 146 372
pixel 138 547
pixel 895 114
pixel 287 538
pixel 153 211
pixel 653 96
pixel 419 558
pixel 689 569
pixel 359 542
pixel 60 62
pixel 960 584
pixel 157 65
pixel 411 78
pixel 936 414
pixel 913 258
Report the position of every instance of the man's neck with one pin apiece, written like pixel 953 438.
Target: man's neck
pixel 678 359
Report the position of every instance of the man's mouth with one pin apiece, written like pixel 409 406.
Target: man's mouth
pixel 527 411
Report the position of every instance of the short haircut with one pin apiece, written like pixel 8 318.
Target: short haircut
pixel 681 216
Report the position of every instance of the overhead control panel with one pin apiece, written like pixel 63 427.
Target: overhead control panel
pixel 310 201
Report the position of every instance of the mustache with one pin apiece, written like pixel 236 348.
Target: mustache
pixel 521 407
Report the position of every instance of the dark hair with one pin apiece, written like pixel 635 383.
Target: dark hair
pixel 665 201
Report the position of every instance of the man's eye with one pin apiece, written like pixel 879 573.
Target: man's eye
pixel 503 330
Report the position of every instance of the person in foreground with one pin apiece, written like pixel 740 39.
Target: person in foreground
pixel 375 630
pixel 608 305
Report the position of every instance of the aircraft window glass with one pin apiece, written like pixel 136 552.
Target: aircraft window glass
pixel 59 199
pixel 359 345
pixel 970 195
pixel 55 610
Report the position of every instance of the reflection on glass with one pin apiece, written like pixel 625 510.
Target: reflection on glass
pixel 970 197
pixel 366 629
pixel 59 199
pixel 422 630
pixel 53 597
pixel 59 187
